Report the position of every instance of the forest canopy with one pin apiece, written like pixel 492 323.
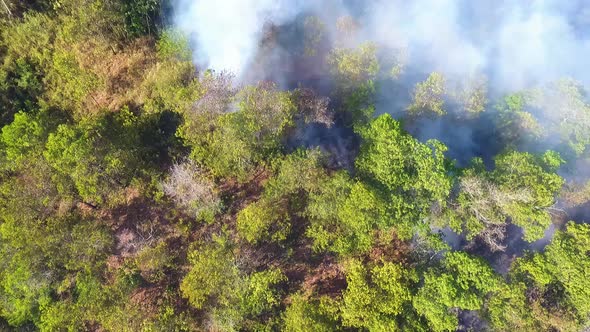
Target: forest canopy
pixel 331 180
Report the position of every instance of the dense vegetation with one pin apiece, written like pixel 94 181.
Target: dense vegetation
pixel 140 193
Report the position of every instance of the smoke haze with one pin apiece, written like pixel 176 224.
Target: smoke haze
pixel 515 43
pixel 225 33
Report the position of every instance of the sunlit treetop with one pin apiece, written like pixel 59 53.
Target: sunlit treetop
pixel 565 262
pixel 413 176
pixel 428 96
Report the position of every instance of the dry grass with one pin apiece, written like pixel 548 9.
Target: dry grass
pixel 120 71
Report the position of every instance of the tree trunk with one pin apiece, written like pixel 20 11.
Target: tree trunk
pixel 6 7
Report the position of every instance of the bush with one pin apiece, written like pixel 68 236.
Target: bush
pixel 263 220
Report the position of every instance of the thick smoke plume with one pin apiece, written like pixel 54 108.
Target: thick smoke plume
pixel 226 33
pixel 515 43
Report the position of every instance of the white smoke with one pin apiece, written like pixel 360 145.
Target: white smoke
pixel 226 33
pixel 516 43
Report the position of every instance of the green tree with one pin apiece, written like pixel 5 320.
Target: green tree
pixel 141 16
pixel 564 109
pixel 171 85
pixel 471 94
pixel 98 157
pixel 232 297
pixel 411 176
pixel 309 314
pixel 260 296
pixel 557 112
pixel 26 53
pixel 429 96
pixel 69 84
pixel 521 187
pixel 285 194
pixel 265 219
pixel 462 283
pixel 40 258
pixel 508 309
pixel 241 140
pixel 564 265
pixel 376 299
pixel 344 215
pixel 213 276
pixel 22 137
pixel 173 44
pixel 314 33
pixel 354 66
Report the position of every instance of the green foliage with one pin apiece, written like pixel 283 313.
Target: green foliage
pixel 471 95
pixel 359 103
pixel 521 170
pixel 30 40
pixel 21 137
pixel 213 275
pixel 265 219
pixel 170 86
pixel 429 96
pixel 26 52
pixel 314 30
pixel 37 257
pixel 98 157
pixel 20 86
pixel 113 146
pixel 521 187
pixel 375 299
pixel 154 262
pixel 68 83
pixel 173 44
pixel 296 175
pixel 243 139
pixel 306 314
pixel 353 66
pixel 564 106
pixel 94 301
pixel 140 16
pixel 514 121
pixel 355 70
pixel 259 296
pixel 232 297
pixel 411 176
pixel 565 262
pixel 343 216
pixel 557 112
pixel 508 310
pixel 462 283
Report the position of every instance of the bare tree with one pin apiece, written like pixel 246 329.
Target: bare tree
pixel 493 236
pixel 191 189
pixel 490 206
pixel 218 97
pixel 7 8
pixel 219 92
pixel 488 202
pixel 313 108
